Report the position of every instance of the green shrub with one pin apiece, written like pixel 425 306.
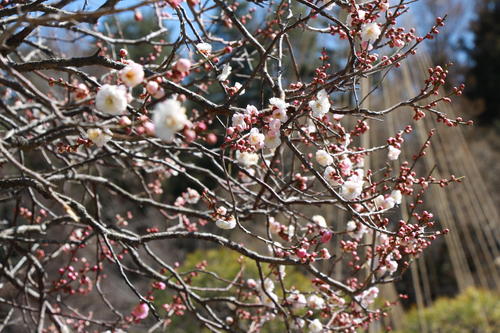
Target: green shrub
pixel 474 310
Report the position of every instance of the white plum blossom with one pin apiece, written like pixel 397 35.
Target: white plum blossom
pixel 382 202
pixel 297 300
pixel 320 221
pixel 251 283
pixel 384 5
pixel 274 226
pixel 393 153
pixel 237 86
pixel 280 108
pixel 98 136
pixel 226 71
pixel 390 265
pixel 370 32
pixel 191 196
pixel 361 16
pixel 368 296
pixel 269 299
pixel 396 196
pixel 298 323
pixel 356 230
pixel 274 125
pixel 315 302
pixel 272 139
pixel 268 285
pixel 132 74
pixel 169 117
pixel 315 326
pixel 323 158
pixel 332 176
pixel 111 99
pixel 247 159
pixel 345 165
pixel 351 226
pixel 246 178
pixel 204 48
pixel 351 189
pixel 282 271
pixel 226 222
pixel 251 110
pixel 238 121
pixel 321 105
pixel 255 138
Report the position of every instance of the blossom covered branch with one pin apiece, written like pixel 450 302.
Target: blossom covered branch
pixel 220 133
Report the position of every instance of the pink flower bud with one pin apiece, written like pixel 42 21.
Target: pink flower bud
pixel 123 53
pixel 125 121
pixel 141 311
pixel 301 253
pixel 251 283
pixel 138 16
pixel 326 237
pixel 190 135
pixel 159 94
pixel 152 87
pixel 211 138
pixel 149 128
pixel 182 65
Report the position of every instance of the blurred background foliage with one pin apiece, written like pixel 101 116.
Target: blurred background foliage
pixel 474 310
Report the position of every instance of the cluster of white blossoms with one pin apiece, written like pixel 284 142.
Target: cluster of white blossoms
pixel 321 105
pixel 132 74
pixel 324 158
pixel 273 136
pixel 388 202
pixel 224 221
pixel 98 136
pixel 297 300
pixel 247 159
pixel 315 302
pixel 111 99
pixel 169 117
pixel 367 297
pixel 353 186
pixel 226 71
pixel 393 153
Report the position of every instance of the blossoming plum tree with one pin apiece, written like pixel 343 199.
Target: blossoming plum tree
pixel 73 141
